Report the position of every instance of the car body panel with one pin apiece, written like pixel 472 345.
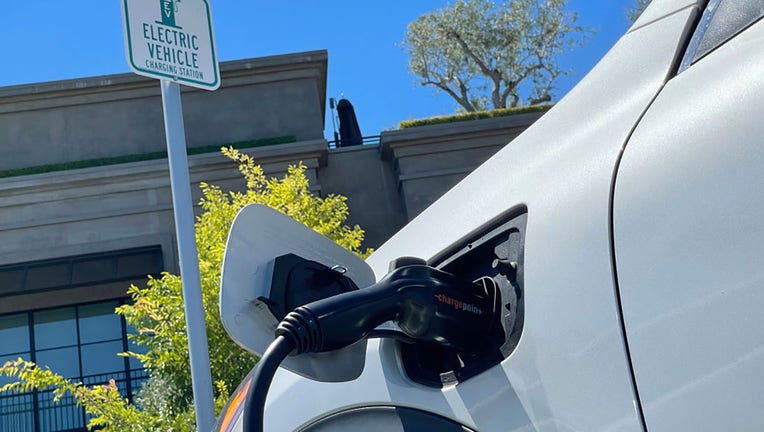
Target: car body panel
pixel 689 242
pixel 643 253
pixel 657 10
pixel 570 369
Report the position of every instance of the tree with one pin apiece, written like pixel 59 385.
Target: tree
pixel 636 9
pixel 485 54
pixel 166 400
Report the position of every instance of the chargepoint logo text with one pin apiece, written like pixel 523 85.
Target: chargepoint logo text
pixel 458 304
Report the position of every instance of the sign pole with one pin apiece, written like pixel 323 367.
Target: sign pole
pixel 180 182
pixel 174 42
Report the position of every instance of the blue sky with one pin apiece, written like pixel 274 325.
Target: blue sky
pixel 47 40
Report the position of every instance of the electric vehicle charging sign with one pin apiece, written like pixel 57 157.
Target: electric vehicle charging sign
pixel 171 40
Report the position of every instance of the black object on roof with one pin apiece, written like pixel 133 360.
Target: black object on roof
pixel 350 132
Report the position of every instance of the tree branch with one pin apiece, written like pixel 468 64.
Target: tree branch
pixel 465 95
pixel 494 75
pixel 512 85
pixel 471 54
pixel 462 101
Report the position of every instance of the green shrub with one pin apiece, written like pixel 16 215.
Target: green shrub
pixel 502 112
pixel 165 402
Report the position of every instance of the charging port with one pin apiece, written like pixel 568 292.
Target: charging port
pixel 494 258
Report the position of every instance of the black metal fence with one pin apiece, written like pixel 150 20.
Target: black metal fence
pixel 37 411
pixel 367 140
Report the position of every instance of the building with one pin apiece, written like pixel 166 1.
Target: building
pixel 85 204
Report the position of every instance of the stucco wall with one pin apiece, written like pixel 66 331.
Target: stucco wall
pixel 120 115
pixel 429 160
pixel 74 212
pixel 111 208
pixel 116 207
pixel 371 186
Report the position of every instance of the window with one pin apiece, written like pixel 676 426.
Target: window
pixel 86 270
pixel 79 342
pixel 721 20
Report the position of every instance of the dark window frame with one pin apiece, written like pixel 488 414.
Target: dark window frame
pixel 153 253
pixel 693 54
pixel 35 403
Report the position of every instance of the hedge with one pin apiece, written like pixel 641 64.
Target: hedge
pixel 501 112
pixel 89 163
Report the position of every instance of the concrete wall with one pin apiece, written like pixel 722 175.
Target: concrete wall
pixel 371 186
pixel 112 208
pixel 118 207
pixel 120 115
pixel 429 160
pixel 91 210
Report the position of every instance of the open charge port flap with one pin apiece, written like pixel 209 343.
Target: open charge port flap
pixel 495 256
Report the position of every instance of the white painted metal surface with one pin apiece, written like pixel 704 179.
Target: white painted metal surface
pixel 570 370
pixel 689 241
pixel 176 44
pixel 661 9
pixel 183 212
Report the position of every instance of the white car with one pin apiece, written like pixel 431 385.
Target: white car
pixel 625 232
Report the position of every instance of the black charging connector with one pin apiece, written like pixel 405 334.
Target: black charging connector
pixel 427 304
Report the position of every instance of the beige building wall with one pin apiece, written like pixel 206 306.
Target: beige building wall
pixel 117 115
pixel 117 207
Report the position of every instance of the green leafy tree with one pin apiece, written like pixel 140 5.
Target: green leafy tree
pixel 493 55
pixel 166 400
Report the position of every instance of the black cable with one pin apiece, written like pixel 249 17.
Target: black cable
pixel 427 304
pixel 254 407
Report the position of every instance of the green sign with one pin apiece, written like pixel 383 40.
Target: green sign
pixel 168 12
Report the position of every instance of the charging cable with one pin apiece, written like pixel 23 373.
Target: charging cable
pixel 427 304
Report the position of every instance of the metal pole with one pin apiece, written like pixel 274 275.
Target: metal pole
pixel 198 350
